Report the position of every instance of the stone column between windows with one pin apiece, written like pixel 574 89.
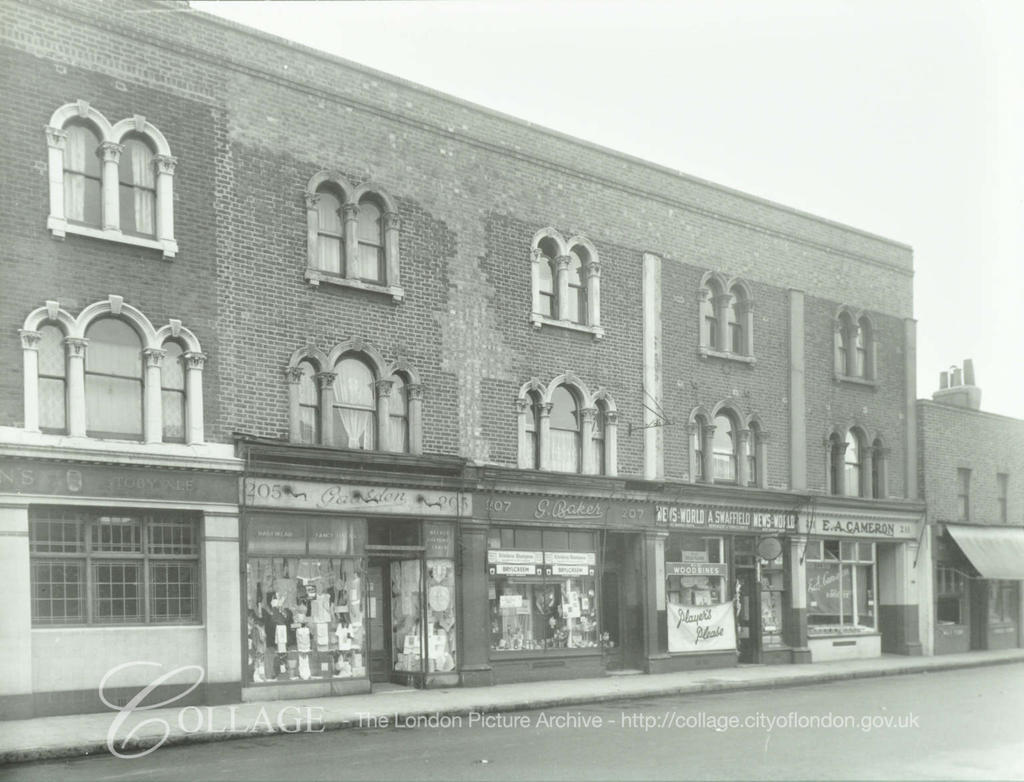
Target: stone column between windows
pixel 544 433
pixel 30 375
pixel 742 465
pixel 152 412
pixel 414 395
pixel 721 305
pixel 594 293
pixel 294 376
pixel 56 143
pixel 708 434
pixel 588 461
pixel 16 618
pixel 866 473
pixel 392 228
pixel 537 258
pixel 194 424
pixel 326 382
pixel 164 166
pixel 525 457
pixel 382 389
pixel 745 315
pixel 221 599
pixel 562 285
pixel 110 154
pixel 312 232
pixel 350 215
pixel 76 385
pixel 611 443
pixel 795 622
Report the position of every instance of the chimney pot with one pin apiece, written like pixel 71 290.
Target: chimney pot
pixel 968 371
pixel 943 380
pixel 957 381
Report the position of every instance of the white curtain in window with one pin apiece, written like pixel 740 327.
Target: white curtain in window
pixel 565 451
pixel 144 190
pixel 75 150
pixel 355 405
pixel 330 233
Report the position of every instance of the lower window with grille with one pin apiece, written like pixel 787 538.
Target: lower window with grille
pixel 113 567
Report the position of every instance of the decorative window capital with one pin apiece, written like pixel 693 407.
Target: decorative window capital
pixel 29 339
pixel 392 221
pixel 537 255
pixel 414 391
pixel 326 379
pixel 164 164
pixel 743 306
pixel 523 404
pixel 154 356
pixel 110 151
pixel 350 211
pixel 722 300
pixel 312 199
pixel 563 262
pixel 593 269
pixel 383 388
pixel 545 409
pixel 75 346
pixel 588 414
pixel 293 374
pixel 611 417
pixel 55 137
pixel 194 360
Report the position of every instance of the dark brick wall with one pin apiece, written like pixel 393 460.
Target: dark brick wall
pixel 952 438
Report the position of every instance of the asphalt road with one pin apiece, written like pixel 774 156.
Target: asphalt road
pixel 965 724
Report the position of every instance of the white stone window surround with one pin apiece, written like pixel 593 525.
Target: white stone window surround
pixel 588 414
pixel 700 425
pixel 111 136
pixel 383 371
pixel 719 292
pixel 846 324
pixel 872 449
pixel 592 283
pixel 350 197
pixel 153 340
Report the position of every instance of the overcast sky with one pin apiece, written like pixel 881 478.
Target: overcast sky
pixel 905 119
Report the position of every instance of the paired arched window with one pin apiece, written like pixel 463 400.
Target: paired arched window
pixel 854 346
pixel 724 450
pixel 357 404
pixel 563 428
pixel 856 468
pixel 726 317
pixel 109 374
pixel 566 278
pixel 352 235
pixel 110 181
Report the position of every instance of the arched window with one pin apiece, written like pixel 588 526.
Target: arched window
pixel 565 431
pixel 724 448
pixel 576 305
pixel 399 414
pixel 355 405
pixel 853 464
pixel 330 233
pixel 309 404
pixel 842 344
pixel 709 316
pixel 83 200
pixel 598 440
pixel 137 187
pixel 864 365
pixel 548 275
pixel 835 464
pixel 859 353
pixel 532 426
pixel 172 392
pixel 113 380
pixel 370 263
pixel 737 342
pixel 53 383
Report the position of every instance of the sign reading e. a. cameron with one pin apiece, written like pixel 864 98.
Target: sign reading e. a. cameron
pixel 725 518
pixel 24 476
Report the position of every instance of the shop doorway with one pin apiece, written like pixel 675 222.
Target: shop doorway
pixel 622 602
pixel 395 616
pixel 746 600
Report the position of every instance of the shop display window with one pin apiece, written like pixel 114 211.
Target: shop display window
pixel 441 634
pixel 950 595
pixel 773 589
pixel 841 587
pixel 695 570
pixel 1002 602
pixel 305 608
pixel 542 590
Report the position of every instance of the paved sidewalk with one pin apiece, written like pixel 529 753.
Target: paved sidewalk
pixel 86 734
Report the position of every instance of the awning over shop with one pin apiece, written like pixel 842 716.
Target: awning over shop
pixel 995 553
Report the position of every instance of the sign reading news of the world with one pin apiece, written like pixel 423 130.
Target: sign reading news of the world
pixel 701 628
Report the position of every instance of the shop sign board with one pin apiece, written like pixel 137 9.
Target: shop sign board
pixel 510 569
pixel 701 628
pixel 699 516
pixel 281 536
pixel 833 527
pixel 348 498
pixel 439 540
pixel 571 570
pixel 25 476
pixel 575 510
pixel 569 558
pixel 513 557
pixel 696 569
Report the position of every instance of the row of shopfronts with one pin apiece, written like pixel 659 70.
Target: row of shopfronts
pixel 278 575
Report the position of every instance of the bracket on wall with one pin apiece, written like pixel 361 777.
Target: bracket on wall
pixel 660 419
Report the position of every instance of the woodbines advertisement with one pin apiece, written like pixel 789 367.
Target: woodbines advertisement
pixel 701 628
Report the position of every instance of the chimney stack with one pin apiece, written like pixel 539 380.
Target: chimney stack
pixel 957 388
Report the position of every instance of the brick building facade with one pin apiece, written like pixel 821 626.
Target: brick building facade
pixel 502 404
pixel 970 467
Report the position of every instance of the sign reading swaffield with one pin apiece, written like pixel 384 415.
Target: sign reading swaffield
pixel 702 628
